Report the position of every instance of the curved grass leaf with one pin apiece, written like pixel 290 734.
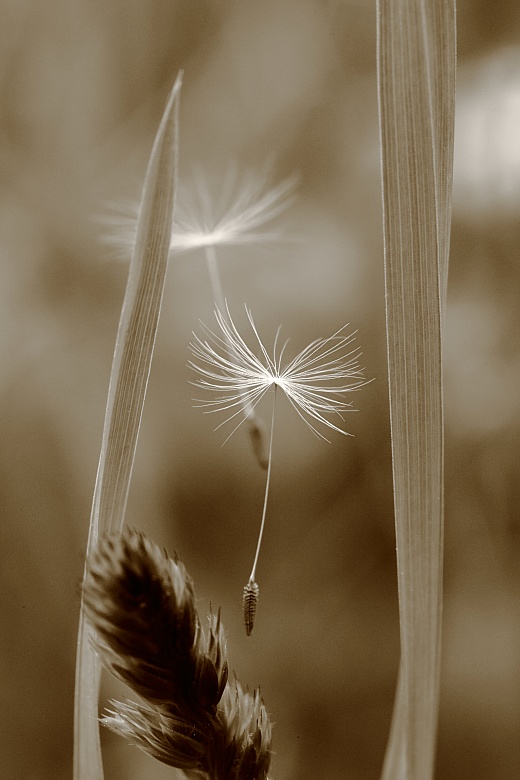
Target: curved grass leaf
pixel 416 82
pixel 128 383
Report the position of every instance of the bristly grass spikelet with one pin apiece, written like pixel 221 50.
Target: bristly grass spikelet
pixel 149 635
pixel 315 383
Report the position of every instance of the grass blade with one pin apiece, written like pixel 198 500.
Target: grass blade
pixel 128 383
pixel 416 81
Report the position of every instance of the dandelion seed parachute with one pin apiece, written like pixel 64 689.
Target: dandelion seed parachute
pixel 315 383
pixel 250 600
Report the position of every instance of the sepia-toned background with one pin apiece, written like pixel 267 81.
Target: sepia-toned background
pixel 289 85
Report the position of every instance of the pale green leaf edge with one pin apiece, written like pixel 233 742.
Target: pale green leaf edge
pixel 127 390
pixel 416 87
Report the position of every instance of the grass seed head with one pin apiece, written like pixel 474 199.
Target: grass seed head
pixel 141 605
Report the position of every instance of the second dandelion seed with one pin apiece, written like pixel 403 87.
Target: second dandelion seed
pixel 315 383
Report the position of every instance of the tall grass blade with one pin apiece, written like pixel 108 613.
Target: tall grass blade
pixel 416 83
pixel 128 382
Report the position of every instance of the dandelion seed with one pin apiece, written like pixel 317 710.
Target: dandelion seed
pixel 315 383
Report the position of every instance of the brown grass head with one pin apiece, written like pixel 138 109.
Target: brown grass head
pixel 141 604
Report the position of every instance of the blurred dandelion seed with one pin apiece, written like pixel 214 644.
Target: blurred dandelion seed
pixel 315 382
pixel 235 218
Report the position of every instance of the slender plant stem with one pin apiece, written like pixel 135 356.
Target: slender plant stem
pixel 214 277
pixel 266 496
pixel 218 296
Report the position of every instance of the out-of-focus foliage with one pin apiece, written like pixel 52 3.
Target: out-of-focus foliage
pixel 82 89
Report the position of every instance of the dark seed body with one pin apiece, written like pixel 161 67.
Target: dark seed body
pixel 249 601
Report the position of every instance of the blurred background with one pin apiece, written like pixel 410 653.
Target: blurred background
pixel 291 84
